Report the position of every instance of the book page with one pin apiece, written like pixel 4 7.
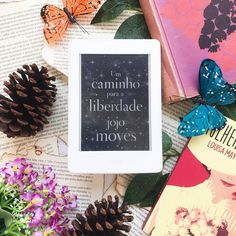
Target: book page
pixel 57 55
pixel 21 42
pixel 7 1
pixel 171 115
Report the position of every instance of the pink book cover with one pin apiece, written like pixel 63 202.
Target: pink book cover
pixel 195 30
pixel 199 198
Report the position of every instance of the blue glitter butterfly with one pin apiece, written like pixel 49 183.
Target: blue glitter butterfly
pixel 214 90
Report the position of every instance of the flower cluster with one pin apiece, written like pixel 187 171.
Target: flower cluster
pixel 32 199
pixel 196 223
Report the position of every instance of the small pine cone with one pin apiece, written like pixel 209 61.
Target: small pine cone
pixel 69 232
pixel 31 96
pixel 106 218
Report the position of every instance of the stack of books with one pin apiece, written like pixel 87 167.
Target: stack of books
pixel 200 195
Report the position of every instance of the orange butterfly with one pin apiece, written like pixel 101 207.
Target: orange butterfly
pixel 57 20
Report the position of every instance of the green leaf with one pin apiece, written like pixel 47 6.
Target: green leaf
pixel 133 28
pixel 166 142
pixel 152 196
pixel 5 220
pixel 2 225
pixel 109 11
pixel 133 4
pixel 140 186
pixel 229 111
pixel 8 218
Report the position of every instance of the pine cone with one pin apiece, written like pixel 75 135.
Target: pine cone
pixel 105 219
pixel 31 96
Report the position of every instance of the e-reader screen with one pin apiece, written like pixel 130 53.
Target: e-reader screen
pixel 114 102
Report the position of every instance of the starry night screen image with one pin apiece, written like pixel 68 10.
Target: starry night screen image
pixel 114 102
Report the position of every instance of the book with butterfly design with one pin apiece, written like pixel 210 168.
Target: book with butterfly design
pixel 191 31
pixel 200 195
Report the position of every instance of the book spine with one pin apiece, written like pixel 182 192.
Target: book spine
pixel 172 89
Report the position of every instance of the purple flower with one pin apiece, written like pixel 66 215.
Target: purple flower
pixel 55 228
pixel 32 176
pixel 44 207
pixel 35 200
pixel 61 226
pixel 64 191
pixel 55 214
pixel 14 168
pixel 13 171
pixel 48 231
pixel 73 201
pixel 68 200
pixel 46 182
pixel 18 172
pixel 35 217
pixel 38 233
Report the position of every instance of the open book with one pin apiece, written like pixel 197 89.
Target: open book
pixel 190 32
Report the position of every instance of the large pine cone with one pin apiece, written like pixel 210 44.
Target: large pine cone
pixel 106 218
pixel 31 96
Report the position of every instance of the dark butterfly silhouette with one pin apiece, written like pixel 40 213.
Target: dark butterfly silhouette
pixel 220 21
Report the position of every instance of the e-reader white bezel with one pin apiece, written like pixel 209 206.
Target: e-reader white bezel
pixel 118 161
